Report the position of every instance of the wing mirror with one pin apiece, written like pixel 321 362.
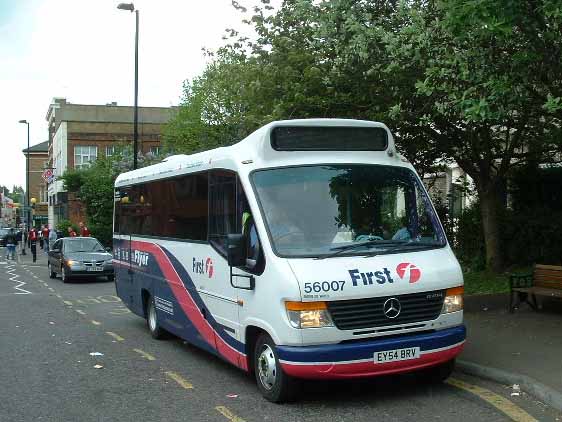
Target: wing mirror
pixel 236 250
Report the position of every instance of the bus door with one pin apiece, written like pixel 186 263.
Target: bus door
pixel 220 296
pixel 122 246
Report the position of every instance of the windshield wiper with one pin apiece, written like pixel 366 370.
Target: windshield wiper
pixel 409 245
pixel 341 249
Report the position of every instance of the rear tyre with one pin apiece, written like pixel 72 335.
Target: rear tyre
pixel 273 383
pixel 156 331
pixel 439 373
pixel 110 278
pixel 64 275
pixel 52 274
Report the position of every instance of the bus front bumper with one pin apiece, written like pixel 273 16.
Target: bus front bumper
pixel 357 359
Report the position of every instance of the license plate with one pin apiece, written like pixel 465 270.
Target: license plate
pixel 94 269
pixel 397 355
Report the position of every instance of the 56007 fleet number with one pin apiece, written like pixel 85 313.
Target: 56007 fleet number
pixel 324 286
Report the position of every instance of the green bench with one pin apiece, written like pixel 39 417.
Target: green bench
pixel 545 280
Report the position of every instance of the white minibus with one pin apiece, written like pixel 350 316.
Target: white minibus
pixel 308 250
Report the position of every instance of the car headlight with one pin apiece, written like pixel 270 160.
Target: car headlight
pixel 70 262
pixel 308 314
pixel 453 300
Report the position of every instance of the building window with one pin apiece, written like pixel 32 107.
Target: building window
pixel 83 155
pixel 155 150
pixel 109 150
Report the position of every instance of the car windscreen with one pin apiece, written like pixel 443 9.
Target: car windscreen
pixel 355 209
pixel 83 245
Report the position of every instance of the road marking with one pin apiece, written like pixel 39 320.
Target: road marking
pixel 120 311
pixel 502 404
pixel 145 355
pixel 10 270
pixel 228 414
pixel 80 312
pixel 115 336
pixel 95 322
pixel 179 379
pixel 51 289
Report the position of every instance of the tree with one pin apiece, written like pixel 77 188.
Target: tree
pixel 491 92
pixel 475 81
pixel 94 187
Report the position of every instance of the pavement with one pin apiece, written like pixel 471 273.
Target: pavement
pixel 49 373
pixel 524 347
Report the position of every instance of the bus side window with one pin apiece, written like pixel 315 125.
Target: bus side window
pixel 255 259
pixel 222 208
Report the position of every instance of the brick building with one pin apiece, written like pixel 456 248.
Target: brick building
pixel 38 161
pixel 79 133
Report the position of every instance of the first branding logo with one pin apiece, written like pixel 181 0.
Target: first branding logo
pixel 405 269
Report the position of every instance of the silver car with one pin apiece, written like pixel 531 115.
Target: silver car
pixel 74 257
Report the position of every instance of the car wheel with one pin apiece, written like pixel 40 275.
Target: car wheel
pixel 273 383
pixel 110 278
pixel 439 373
pixel 64 275
pixel 52 274
pixel 156 331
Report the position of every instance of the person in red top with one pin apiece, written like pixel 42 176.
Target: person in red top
pixel 84 232
pixel 45 233
pixel 33 236
pixel 71 232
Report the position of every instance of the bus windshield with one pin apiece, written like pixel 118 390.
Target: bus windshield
pixel 327 210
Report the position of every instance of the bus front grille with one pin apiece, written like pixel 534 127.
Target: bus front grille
pixel 368 313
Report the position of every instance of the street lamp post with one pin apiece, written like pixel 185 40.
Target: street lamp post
pixel 131 7
pixel 27 211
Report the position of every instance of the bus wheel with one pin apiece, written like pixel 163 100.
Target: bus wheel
pixel 152 320
pixel 439 373
pixel 273 383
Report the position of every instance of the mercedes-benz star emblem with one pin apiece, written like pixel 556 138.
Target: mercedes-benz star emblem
pixel 391 308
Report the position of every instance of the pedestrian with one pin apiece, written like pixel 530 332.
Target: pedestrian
pixel 11 243
pixel 41 237
pixel 84 232
pixel 71 232
pixel 23 238
pixel 52 237
pixel 45 235
pixel 33 236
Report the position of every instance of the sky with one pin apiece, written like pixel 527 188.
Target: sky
pixel 83 50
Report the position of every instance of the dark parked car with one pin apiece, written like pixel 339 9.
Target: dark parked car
pixel 73 257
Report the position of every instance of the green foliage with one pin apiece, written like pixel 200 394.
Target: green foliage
pixel 469 239
pixel 485 282
pixel 63 226
pixel 94 187
pixel 475 81
pixel 17 194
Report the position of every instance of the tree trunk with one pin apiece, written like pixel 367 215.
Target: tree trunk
pixel 492 207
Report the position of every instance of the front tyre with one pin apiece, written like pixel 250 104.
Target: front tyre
pixel 64 274
pixel 152 320
pixel 439 373
pixel 273 383
pixel 52 274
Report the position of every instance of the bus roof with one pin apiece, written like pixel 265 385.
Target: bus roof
pixel 255 149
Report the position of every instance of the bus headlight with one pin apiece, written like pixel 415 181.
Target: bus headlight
pixel 308 314
pixel 453 300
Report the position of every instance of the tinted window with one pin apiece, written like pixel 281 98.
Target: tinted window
pixel 175 208
pixel 222 207
pixel 307 138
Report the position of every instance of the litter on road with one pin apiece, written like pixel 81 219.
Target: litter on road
pixel 96 354
pixel 98 366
